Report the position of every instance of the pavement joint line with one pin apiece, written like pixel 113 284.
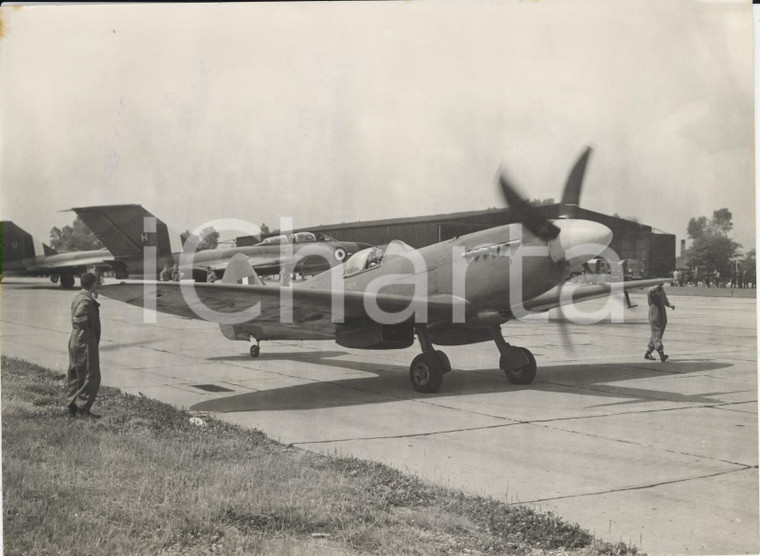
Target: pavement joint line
pixel 409 435
pixel 643 445
pixel 639 487
pixel 240 385
pixel 182 388
pixel 721 377
pixel 538 422
pixel 656 410
pixel 169 366
pixel 35 326
pixel 736 410
pixel 611 389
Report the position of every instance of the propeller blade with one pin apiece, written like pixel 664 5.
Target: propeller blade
pixel 571 196
pixel 526 213
pixel 567 342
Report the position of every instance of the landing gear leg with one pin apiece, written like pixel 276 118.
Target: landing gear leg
pixel 427 369
pixel 255 349
pixel 517 363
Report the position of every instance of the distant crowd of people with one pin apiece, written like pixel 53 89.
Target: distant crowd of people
pixel 714 279
pixel 173 274
pixel 170 273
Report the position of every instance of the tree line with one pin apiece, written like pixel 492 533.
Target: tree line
pixel 713 253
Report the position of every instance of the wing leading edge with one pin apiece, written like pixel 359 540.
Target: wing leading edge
pixel 308 305
pixel 572 293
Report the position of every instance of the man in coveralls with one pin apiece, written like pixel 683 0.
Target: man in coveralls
pixel 658 319
pixel 84 358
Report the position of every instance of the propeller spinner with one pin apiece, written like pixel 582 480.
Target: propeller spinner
pixel 571 241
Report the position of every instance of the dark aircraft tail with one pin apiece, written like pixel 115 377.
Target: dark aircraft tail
pixel 126 230
pixel 17 244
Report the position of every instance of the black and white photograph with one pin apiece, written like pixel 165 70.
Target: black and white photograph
pixel 414 277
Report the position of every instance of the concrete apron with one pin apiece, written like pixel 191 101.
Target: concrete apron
pixel 662 455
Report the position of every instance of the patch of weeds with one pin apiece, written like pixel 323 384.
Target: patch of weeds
pixel 163 485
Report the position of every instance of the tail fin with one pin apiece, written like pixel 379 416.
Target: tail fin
pixel 48 250
pixel 239 270
pixel 17 244
pixel 126 230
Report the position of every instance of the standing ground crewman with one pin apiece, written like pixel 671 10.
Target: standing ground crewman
pixel 84 358
pixel 166 273
pixel 658 319
pixel 210 275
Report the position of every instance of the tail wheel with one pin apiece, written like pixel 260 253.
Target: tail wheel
pixel 520 375
pixel 425 373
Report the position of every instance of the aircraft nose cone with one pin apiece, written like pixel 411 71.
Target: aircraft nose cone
pixel 579 240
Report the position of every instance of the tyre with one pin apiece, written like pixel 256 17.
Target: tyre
pixel 255 351
pixel 443 359
pixel 521 375
pixel 425 373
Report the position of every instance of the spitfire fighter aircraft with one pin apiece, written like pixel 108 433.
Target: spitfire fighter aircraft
pixel 455 292
pixel 121 228
pixel 22 256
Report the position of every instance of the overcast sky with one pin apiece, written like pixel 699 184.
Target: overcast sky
pixel 337 112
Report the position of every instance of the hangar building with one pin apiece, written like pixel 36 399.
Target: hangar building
pixel 657 251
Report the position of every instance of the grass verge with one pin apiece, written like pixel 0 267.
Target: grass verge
pixel 145 480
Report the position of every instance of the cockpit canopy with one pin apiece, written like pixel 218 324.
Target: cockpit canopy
pixel 373 257
pixel 274 240
pixel 297 237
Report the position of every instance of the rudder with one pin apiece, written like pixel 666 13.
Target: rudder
pixel 124 230
pixel 17 244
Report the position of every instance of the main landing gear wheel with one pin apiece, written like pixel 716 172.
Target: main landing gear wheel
pixel 426 373
pixel 255 351
pixel 443 359
pixel 520 375
pixel 67 281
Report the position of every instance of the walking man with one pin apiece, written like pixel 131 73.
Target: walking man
pixel 84 358
pixel 658 319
